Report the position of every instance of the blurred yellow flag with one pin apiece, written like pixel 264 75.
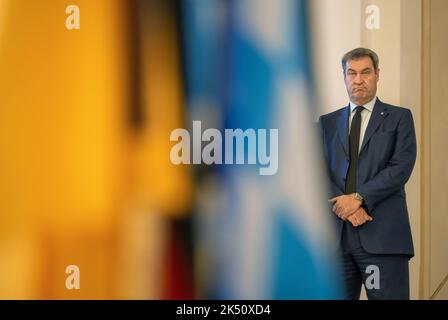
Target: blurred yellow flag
pixel 69 162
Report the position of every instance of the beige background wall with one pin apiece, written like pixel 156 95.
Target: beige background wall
pixel 435 164
pixel 336 28
pixel 412 46
pixel 409 89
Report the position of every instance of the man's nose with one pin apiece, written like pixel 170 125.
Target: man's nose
pixel 358 79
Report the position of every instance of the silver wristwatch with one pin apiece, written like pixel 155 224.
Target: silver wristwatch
pixel 359 197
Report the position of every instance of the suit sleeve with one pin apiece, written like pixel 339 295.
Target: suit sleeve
pixel 399 168
pixel 334 189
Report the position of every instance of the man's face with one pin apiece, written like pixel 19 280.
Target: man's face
pixel 360 80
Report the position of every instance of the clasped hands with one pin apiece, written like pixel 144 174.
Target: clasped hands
pixel 347 207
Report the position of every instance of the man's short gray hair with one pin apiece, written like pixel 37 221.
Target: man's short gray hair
pixel 360 53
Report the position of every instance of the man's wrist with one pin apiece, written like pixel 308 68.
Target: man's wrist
pixel 359 198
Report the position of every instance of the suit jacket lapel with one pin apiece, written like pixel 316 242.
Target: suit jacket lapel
pixel 342 126
pixel 379 113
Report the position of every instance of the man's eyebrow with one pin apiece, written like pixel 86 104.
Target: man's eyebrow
pixel 365 69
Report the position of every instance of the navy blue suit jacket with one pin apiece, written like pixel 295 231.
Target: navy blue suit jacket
pixel 386 160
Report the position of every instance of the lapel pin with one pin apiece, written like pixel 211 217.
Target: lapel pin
pixel 382 113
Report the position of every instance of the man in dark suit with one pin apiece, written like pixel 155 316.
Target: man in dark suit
pixel 370 151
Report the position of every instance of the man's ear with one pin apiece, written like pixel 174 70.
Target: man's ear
pixel 378 74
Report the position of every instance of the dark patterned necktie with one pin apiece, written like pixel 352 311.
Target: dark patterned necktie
pixel 350 184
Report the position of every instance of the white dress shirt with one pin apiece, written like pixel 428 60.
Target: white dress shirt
pixel 365 117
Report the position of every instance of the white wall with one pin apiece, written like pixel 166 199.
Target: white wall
pixel 336 29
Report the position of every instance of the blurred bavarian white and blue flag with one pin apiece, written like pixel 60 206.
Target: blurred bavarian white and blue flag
pixel 247 66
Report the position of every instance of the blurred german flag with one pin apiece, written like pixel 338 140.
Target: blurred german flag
pixel 85 176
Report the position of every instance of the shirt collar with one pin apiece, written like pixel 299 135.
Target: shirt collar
pixel 369 105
